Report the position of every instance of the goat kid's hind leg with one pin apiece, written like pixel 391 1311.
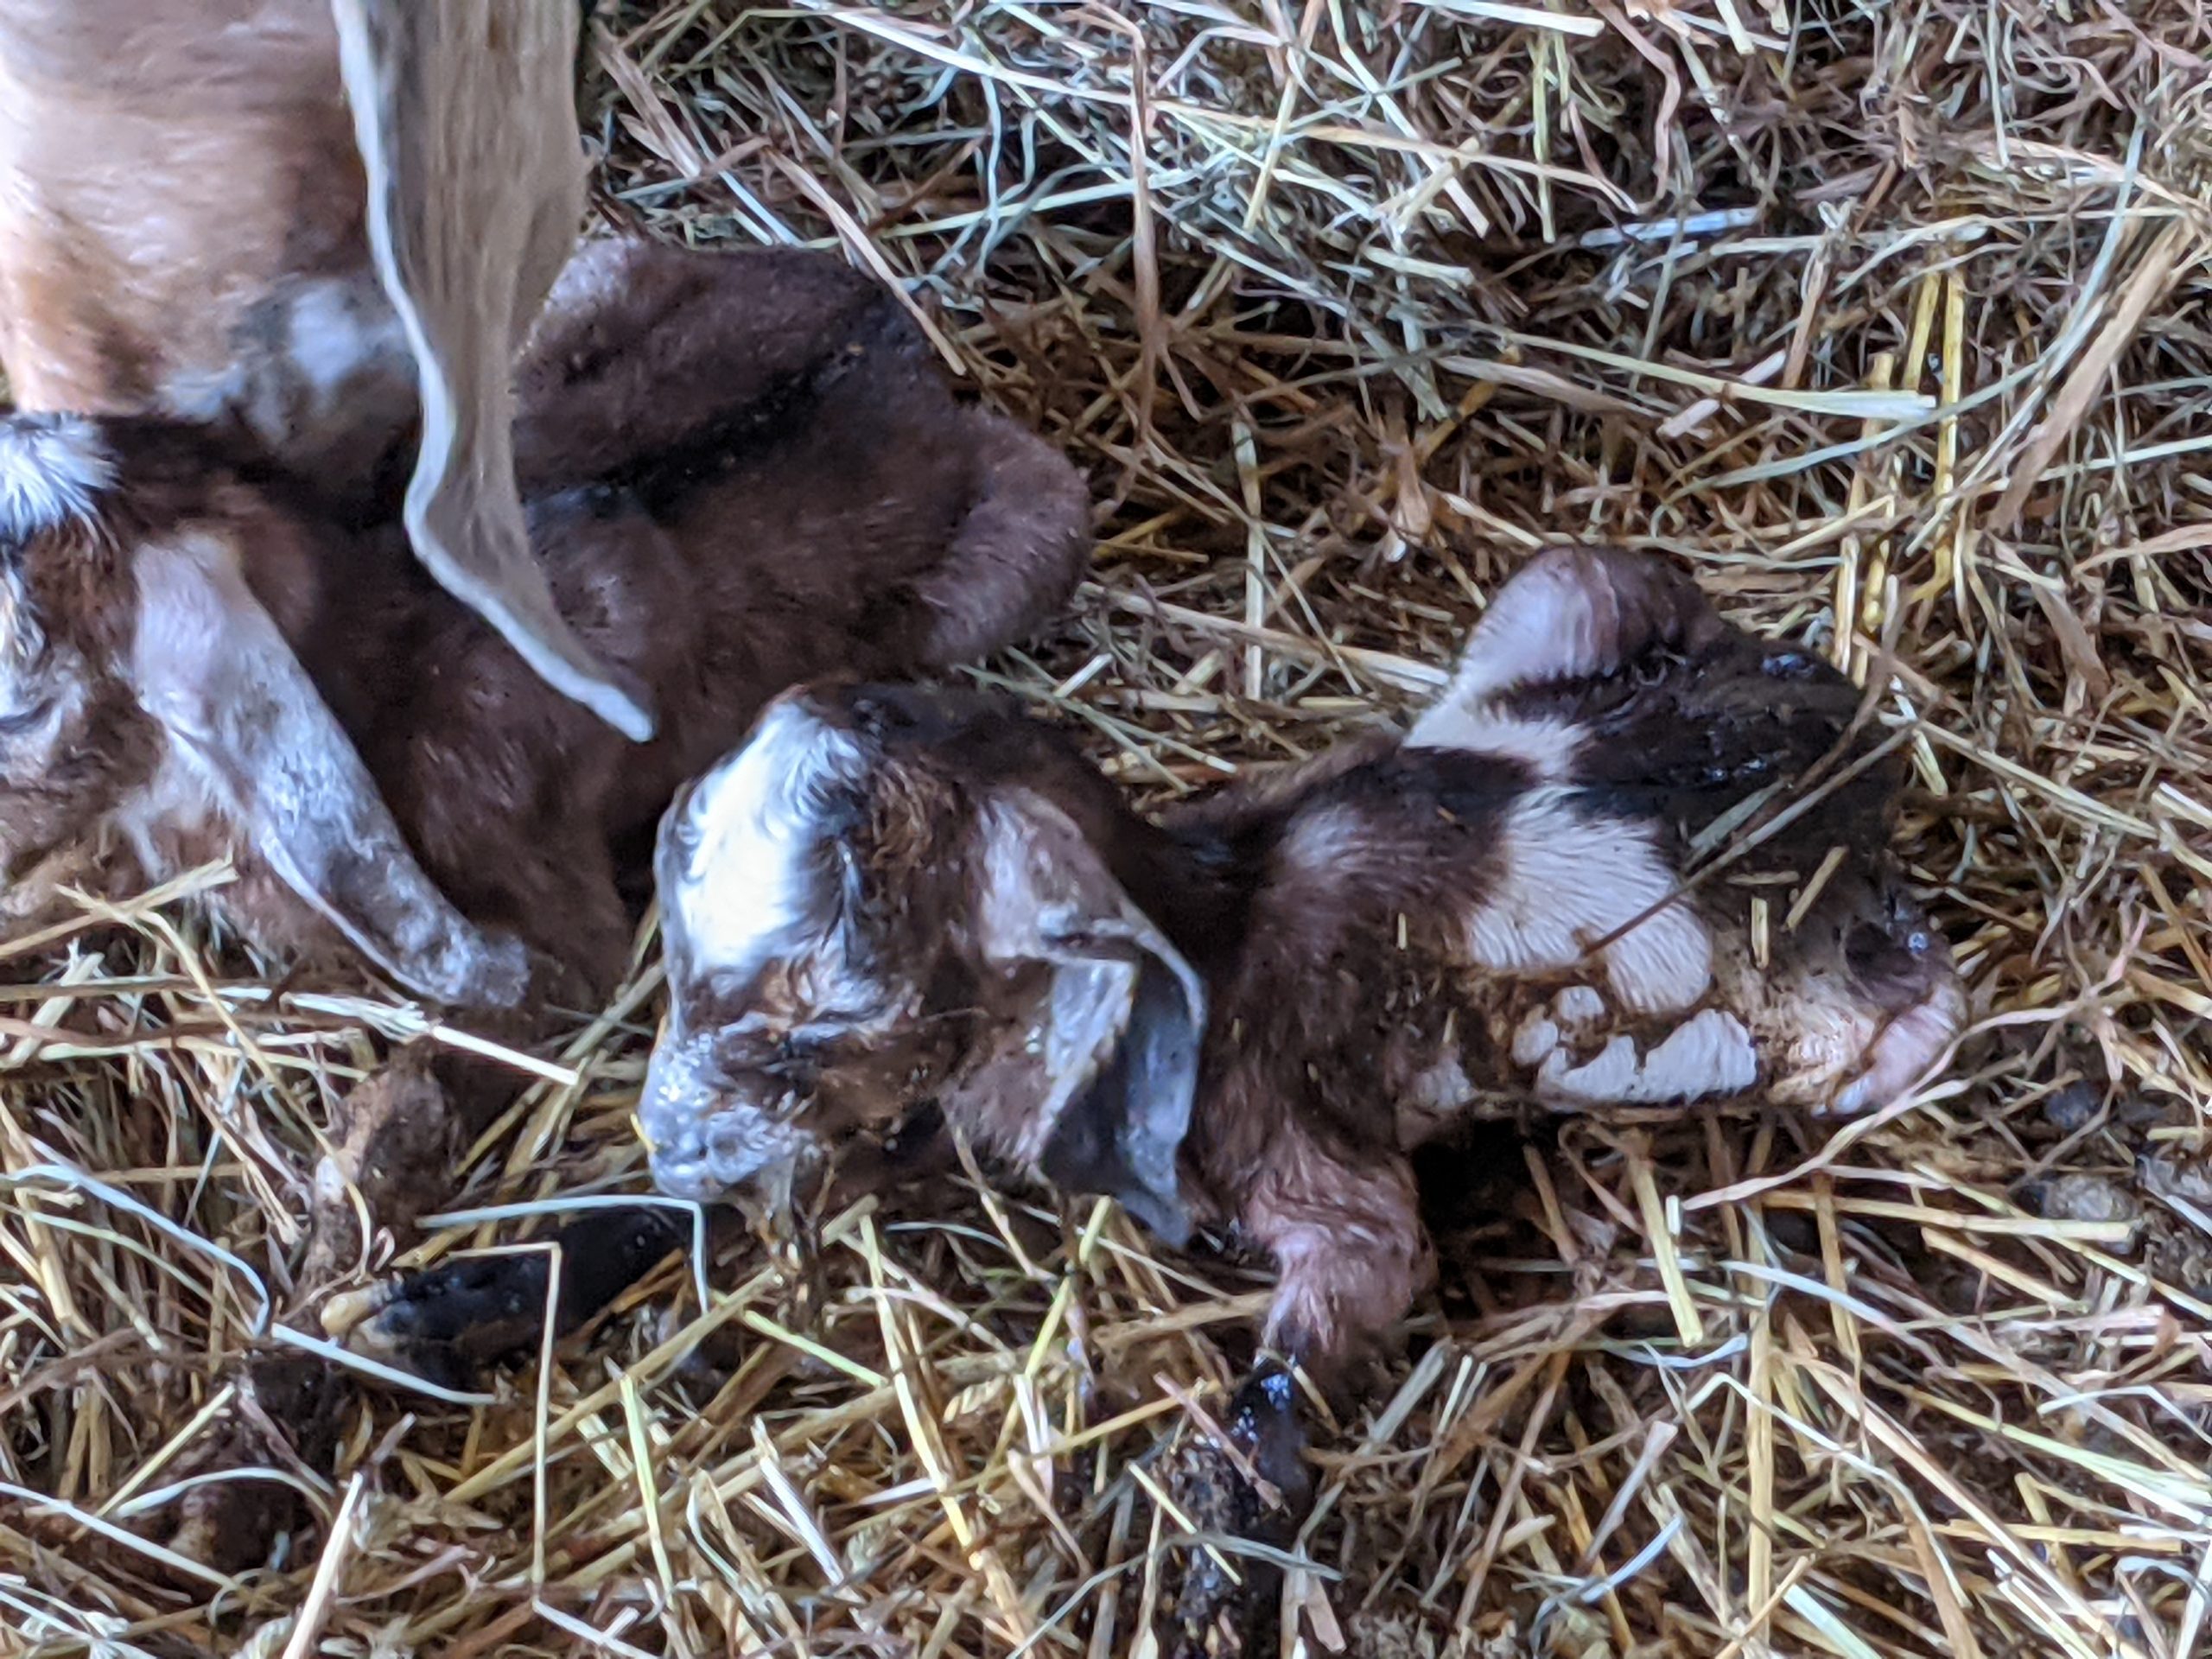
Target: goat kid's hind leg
pixel 452 1322
pixel 396 1141
pixel 391 1150
pixel 1218 1610
pixel 393 1141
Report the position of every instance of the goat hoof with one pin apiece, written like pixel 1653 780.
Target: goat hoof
pixel 450 1323
pixel 391 1151
pixel 1265 1425
pixel 1223 1610
pixel 287 1410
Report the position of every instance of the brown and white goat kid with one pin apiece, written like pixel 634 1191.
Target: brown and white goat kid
pixel 314 220
pixel 1247 1015
pixel 741 470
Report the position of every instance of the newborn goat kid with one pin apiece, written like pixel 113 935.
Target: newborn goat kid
pixel 741 470
pixel 1249 1014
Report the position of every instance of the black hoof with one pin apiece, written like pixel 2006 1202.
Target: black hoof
pixel 449 1323
pixel 1265 1426
pixel 1221 1610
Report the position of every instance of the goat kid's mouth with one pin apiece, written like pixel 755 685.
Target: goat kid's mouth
pixel 727 1151
pixel 706 1133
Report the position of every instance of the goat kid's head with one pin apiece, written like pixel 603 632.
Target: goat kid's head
pixel 148 702
pixel 887 896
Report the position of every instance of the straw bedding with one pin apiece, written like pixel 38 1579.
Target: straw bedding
pixel 1893 321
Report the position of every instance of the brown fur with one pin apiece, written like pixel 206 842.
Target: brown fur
pixel 189 227
pixel 817 503
pixel 170 174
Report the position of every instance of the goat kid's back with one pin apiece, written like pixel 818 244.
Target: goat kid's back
pixel 742 470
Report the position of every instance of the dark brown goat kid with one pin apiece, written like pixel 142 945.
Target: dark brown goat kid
pixel 740 470
pixel 1247 1015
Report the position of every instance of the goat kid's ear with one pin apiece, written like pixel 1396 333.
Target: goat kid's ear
pixel 1095 1090
pixel 210 664
pixel 465 114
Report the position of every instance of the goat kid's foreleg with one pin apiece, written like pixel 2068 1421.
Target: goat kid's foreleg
pixel 1344 1227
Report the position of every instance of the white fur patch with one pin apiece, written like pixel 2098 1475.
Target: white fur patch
pixel 1442 1087
pixel 1708 1054
pixel 1325 840
pixel 53 469
pixel 332 333
pixel 739 886
pixel 1542 628
pixel 178 800
pixel 344 369
pixel 1542 1029
pixel 1580 1004
pixel 1545 745
pixel 1572 880
pixel 1536 1040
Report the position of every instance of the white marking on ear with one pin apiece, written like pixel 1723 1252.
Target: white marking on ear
pixel 1555 620
pixel 1571 881
pixel 738 877
pixel 1546 624
pixel 53 470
